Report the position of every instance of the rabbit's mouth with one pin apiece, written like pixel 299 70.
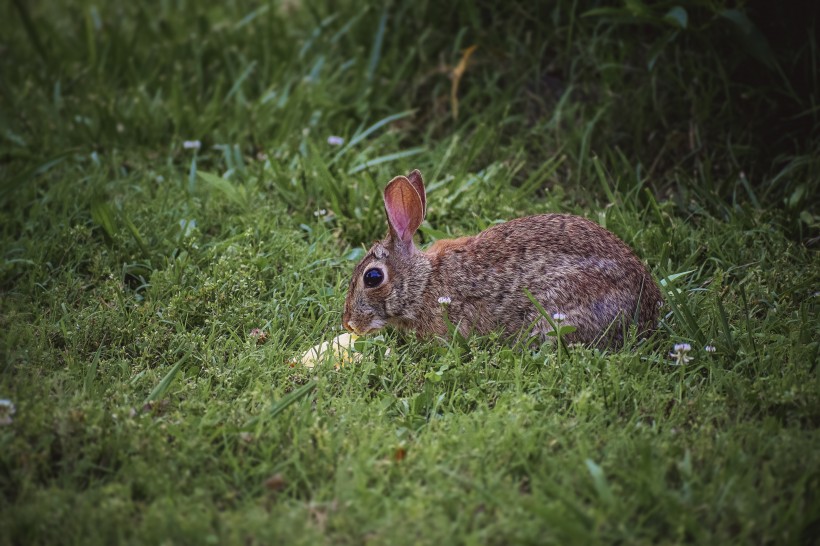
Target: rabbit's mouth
pixel 360 330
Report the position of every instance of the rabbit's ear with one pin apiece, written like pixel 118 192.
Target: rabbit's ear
pixel 415 179
pixel 405 209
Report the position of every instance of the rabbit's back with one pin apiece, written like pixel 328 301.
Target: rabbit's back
pixel 571 265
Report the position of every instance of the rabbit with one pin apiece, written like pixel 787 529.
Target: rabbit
pixel 582 275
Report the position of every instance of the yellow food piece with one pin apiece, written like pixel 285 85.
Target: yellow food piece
pixel 339 350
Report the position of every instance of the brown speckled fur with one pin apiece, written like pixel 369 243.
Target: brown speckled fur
pixel 570 264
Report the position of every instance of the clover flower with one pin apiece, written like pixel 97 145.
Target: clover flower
pixel 445 300
pixel 679 355
pixel 192 145
pixel 335 140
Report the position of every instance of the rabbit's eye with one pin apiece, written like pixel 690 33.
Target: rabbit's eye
pixel 373 277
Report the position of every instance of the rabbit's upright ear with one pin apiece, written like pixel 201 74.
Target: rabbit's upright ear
pixel 418 183
pixel 405 209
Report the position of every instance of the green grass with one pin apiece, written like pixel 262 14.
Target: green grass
pixel 133 270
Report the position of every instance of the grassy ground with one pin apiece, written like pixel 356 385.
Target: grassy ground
pixel 135 269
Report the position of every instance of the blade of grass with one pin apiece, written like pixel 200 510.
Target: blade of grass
pixel 103 216
pixel 376 51
pixel 360 136
pixel 291 398
pixel 536 179
pixel 385 159
pixel 166 381
pixel 234 193
pixel 92 370
pixel 31 29
pixel 724 322
pixel 680 307
pixel 601 175
pixel 600 482
pixel 135 233
pixel 237 86
pixel 747 318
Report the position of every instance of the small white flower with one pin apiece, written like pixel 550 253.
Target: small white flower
pixel 558 317
pixel 710 349
pixel 445 300
pixel 192 145
pixel 335 140
pixel 679 354
pixel 320 212
pixel 7 409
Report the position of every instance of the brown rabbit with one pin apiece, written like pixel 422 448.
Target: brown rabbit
pixel 576 269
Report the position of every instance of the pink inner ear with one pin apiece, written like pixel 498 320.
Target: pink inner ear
pixel 404 209
pixel 401 223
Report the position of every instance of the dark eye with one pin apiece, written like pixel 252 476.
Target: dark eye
pixel 373 277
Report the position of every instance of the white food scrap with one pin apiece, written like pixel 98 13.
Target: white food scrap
pixel 339 350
